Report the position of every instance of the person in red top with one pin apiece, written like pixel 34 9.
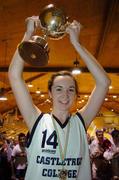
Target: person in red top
pixel 112 154
pixel 97 148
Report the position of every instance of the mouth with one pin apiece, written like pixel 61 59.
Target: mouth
pixel 64 102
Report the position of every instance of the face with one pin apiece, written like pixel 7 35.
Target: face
pixel 100 136
pixel 22 141
pixel 88 137
pixel 116 140
pixel 63 92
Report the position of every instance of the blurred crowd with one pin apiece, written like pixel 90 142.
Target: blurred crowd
pixel 104 156
pixel 13 158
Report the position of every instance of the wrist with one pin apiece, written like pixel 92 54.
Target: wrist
pixel 77 45
pixel 27 36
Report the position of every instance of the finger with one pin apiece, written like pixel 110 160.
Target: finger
pixel 33 18
pixel 68 29
pixel 78 24
pixel 41 26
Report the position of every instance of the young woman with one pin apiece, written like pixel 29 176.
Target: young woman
pixel 58 147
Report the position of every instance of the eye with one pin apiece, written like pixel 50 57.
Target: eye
pixel 72 90
pixel 58 89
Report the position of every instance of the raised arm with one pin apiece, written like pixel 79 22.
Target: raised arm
pixel 102 80
pixel 19 88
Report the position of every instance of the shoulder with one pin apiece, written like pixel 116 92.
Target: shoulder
pixel 42 120
pixel 79 116
pixel 15 150
pixel 94 143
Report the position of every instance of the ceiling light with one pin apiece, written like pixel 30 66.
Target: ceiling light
pixel 86 96
pixel 110 87
pixel 106 99
pixel 76 70
pixel 30 85
pixel 3 98
pixel 42 95
pixel 114 96
pixel 48 101
pixel 38 91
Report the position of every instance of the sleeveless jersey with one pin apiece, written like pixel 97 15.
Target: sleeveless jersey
pixel 44 162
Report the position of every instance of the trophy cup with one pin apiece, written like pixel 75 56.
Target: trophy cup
pixel 53 23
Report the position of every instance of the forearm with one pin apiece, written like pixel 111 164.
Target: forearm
pixel 93 66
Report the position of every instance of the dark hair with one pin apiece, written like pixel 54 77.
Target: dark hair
pixel 21 135
pixel 99 131
pixel 62 73
pixel 115 133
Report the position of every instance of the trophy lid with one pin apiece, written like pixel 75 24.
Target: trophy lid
pixel 53 20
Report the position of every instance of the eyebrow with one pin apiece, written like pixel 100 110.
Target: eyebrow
pixel 62 86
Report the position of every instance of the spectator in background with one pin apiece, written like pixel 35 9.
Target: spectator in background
pixel 8 149
pixel 88 138
pixel 19 158
pixel 5 171
pixel 112 154
pixel 98 146
pixel 1 120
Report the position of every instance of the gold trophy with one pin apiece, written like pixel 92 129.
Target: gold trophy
pixel 53 24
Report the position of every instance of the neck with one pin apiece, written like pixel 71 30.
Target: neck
pixel 62 116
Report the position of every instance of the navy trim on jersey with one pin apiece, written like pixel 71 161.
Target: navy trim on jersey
pixel 82 120
pixel 59 122
pixel 33 130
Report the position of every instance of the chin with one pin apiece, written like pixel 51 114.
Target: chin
pixel 65 108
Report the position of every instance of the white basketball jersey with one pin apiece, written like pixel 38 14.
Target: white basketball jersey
pixel 44 161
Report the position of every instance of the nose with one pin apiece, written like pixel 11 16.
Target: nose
pixel 65 93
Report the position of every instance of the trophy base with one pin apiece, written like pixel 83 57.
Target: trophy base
pixel 33 53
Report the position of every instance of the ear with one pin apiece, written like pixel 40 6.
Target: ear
pixel 50 94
